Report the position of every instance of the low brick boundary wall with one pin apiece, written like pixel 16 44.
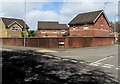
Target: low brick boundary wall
pixel 54 42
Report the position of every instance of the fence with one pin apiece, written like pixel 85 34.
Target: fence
pixel 56 42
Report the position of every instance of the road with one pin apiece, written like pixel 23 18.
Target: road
pixel 104 57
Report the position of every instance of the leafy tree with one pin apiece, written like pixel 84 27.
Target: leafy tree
pixel 31 33
pixel 22 34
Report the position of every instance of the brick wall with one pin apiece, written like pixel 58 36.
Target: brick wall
pixel 53 41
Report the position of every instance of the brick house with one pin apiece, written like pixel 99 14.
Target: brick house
pixel 90 24
pixel 116 29
pixel 51 29
pixel 11 27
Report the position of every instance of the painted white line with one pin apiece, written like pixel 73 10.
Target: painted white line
pixel 50 56
pixel 74 61
pixel 45 55
pixel 65 59
pixel 82 62
pixel 57 58
pixel 95 64
pixel 104 59
pixel 117 68
pixel 106 66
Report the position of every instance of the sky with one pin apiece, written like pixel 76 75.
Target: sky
pixel 32 11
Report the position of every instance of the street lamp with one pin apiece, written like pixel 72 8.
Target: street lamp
pixel 25 26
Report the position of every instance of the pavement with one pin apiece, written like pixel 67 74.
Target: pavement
pixel 104 57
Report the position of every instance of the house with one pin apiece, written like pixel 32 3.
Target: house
pixel 116 29
pixel 93 23
pixel 11 27
pixel 51 29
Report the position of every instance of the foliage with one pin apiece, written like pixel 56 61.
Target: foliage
pixel 46 34
pixel 31 33
pixel 22 34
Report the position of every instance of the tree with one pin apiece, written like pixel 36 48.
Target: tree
pixel 31 33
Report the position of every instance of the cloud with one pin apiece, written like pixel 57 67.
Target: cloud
pixel 74 8
pixel 13 9
pixel 36 15
pixel 34 11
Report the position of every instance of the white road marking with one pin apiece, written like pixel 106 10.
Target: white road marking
pixel 107 66
pixel 57 58
pixel 65 59
pixel 95 64
pixel 74 61
pixel 104 59
pixel 50 56
pixel 82 62
pixel 118 68
pixel 45 55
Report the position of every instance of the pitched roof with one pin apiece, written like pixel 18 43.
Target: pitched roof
pixel 9 21
pixel 51 25
pixel 88 17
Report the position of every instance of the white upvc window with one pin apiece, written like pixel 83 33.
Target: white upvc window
pixel 15 28
pixel 43 30
pixel 102 25
pixel 63 30
pixel 85 25
pixel 54 30
pixel 74 27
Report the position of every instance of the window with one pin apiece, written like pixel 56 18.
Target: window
pixel 85 25
pixel 43 30
pixel 15 28
pixel 54 30
pixel 62 30
pixel 102 25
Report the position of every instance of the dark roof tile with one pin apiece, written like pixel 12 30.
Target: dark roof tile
pixel 8 21
pixel 51 25
pixel 83 18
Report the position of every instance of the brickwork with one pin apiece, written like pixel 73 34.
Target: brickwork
pixel 53 41
pixel 51 33
pixel 99 28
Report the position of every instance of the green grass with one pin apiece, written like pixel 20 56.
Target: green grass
pixel 118 43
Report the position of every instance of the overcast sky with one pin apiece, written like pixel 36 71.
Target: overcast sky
pixel 61 10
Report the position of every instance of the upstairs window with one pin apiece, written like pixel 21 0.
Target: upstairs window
pixel 85 25
pixel 102 25
pixel 74 27
pixel 54 30
pixel 62 30
pixel 43 30
pixel 15 28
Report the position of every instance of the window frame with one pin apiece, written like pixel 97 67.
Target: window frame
pixel 55 30
pixel 15 28
pixel 86 25
pixel 63 30
pixel 43 30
